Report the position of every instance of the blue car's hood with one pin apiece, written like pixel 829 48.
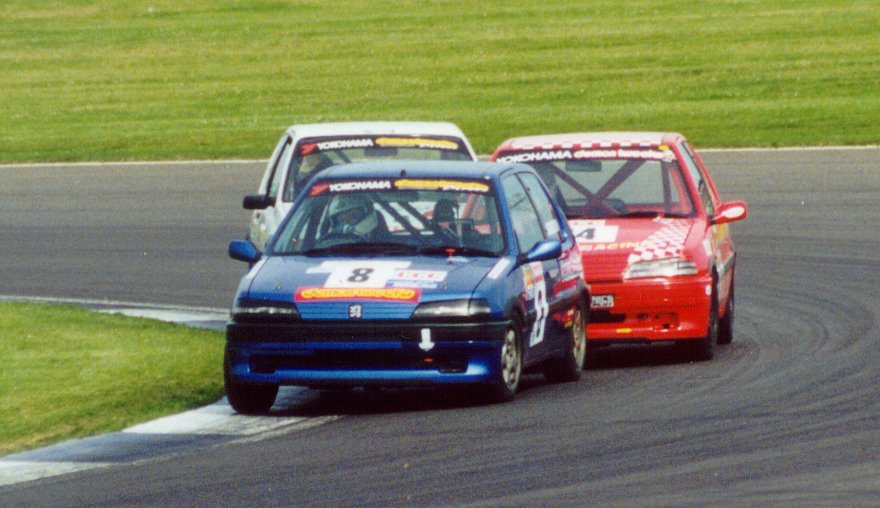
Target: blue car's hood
pixel 389 288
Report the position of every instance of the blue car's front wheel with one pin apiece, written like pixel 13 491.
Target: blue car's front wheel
pixel 246 398
pixel 509 373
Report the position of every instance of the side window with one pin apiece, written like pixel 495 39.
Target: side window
pixel 702 185
pixel 280 167
pixel 543 206
pixel 526 222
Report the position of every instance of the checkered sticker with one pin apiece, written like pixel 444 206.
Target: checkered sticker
pixel 667 242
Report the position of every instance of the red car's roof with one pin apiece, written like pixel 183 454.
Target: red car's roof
pixel 597 139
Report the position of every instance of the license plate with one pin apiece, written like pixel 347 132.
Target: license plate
pixel 602 301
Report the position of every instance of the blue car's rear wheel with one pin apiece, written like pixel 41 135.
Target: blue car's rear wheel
pixel 568 368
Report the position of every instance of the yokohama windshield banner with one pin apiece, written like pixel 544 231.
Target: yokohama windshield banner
pixel 441 143
pixel 661 153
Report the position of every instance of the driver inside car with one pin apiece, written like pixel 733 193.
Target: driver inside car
pixel 354 214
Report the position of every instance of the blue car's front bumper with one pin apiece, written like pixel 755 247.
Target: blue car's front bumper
pixel 364 354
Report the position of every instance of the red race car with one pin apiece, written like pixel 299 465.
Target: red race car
pixel 653 232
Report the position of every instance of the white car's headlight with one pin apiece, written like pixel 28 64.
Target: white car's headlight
pixel 453 309
pixel 669 267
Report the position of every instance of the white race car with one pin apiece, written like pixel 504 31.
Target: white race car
pixel 308 148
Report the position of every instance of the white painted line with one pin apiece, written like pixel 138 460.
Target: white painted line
pixel 482 157
pixel 12 472
pixel 92 302
pixel 170 316
pixel 790 149
pixel 130 163
pixel 216 419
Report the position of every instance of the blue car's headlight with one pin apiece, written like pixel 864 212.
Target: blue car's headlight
pixel 463 308
pixel 261 311
pixel 669 267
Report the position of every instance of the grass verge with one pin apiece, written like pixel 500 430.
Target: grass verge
pixel 207 79
pixel 69 372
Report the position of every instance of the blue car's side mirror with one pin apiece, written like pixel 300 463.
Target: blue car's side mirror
pixel 244 250
pixel 544 250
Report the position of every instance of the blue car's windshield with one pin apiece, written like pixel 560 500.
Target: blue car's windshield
pixel 398 216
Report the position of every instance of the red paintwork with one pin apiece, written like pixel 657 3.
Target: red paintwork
pixel 658 308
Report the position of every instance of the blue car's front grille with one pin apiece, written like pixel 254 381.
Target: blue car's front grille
pixel 349 310
pixel 359 360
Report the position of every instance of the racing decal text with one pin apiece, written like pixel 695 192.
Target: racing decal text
pixel 360 185
pixel 418 142
pixel 401 295
pixel 443 185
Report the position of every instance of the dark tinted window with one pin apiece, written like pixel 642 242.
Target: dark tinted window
pixel 526 222
pixel 702 186
pixel 544 207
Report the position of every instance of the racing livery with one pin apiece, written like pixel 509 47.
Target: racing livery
pixel 653 232
pixel 306 149
pixel 409 273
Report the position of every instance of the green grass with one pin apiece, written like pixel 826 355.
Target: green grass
pixel 68 372
pixel 113 80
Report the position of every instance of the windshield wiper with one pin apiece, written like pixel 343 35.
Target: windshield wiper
pixel 651 215
pixel 363 248
pixel 639 215
pixel 451 250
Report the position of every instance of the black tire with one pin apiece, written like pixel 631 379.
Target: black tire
pixel 704 349
pixel 725 330
pixel 568 368
pixel 245 398
pixel 504 387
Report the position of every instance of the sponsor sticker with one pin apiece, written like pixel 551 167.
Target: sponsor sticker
pixel 412 284
pixel 499 269
pixel 334 144
pixel 662 154
pixel 538 156
pixel 399 142
pixel 419 275
pixel 398 295
pixel 571 264
pixel 360 185
pixel 441 185
pixel 600 247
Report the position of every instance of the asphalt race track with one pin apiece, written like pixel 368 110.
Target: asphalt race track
pixel 787 415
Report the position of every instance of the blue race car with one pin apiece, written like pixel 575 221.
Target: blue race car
pixel 409 274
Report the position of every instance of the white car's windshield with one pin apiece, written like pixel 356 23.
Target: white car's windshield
pixel 394 217
pixel 315 154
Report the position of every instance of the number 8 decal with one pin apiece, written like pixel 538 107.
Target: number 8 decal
pixel 542 309
pixel 360 275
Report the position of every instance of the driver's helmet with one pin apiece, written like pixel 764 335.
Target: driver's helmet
pixel 352 213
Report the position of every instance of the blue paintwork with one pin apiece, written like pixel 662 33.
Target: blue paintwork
pixel 322 346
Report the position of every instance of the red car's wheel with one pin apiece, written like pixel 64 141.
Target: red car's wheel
pixel 725 331
pixel 704 349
